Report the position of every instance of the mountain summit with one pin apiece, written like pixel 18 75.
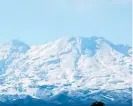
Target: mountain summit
pixel 87 68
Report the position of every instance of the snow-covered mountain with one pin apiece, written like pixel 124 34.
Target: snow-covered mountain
pixel 88 68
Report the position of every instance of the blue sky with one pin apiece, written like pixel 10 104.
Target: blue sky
pixel 40 21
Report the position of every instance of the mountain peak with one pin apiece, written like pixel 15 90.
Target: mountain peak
pixel 70 38
pixel 15 45
pixel 93 43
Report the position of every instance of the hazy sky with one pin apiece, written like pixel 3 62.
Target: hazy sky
pixel 40 21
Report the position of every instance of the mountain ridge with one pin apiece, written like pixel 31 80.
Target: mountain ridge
pixel 69 64
pixel 16 42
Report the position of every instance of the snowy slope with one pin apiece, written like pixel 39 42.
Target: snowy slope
pixel 91 67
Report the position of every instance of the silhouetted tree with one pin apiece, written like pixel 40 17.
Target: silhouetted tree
pixel 97 104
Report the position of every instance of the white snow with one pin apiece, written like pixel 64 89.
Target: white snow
pixel 64 61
